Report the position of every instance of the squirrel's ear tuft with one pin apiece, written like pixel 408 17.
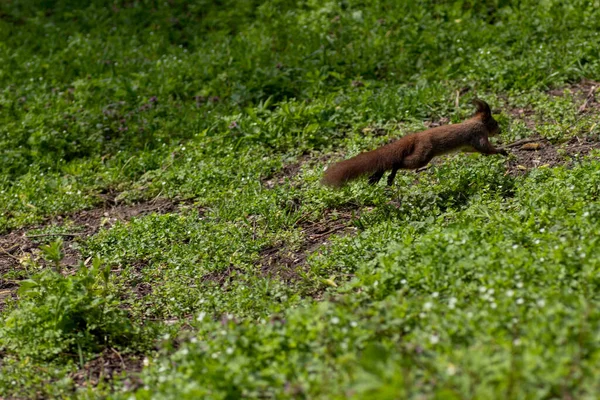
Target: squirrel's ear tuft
pixel 483 108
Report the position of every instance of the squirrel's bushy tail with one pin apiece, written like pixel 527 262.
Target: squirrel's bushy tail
pixel 338 174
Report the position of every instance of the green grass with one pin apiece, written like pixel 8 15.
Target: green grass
pixel 461 282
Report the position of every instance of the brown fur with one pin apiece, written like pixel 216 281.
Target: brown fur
pixel 417 149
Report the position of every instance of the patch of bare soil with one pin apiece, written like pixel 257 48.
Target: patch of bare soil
pixel 436 123
pixel 288 264
pixel 223 277
pixel 139 288
pixel 537 152
pixel 8 289
pixel 108 365
pixel 20 245
pixel 585 94
pixel 288 171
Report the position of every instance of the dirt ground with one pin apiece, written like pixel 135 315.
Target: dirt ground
pixel 537 152
pixel 108 365
pixel 18 246
pixel 287 264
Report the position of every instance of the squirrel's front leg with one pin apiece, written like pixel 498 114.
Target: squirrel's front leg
pixel 483 145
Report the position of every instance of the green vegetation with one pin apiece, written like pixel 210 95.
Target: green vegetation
pixel 60 315
pixel 474 279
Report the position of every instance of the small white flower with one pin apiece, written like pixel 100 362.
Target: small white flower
pixel 428 306
pixel 403 281
pixel 434 339
pixel 515 246
pixel 541 303
pixel 229 350
pixel 452 303
pixel 519 285
pixel 493 305
pixel 542 230
pixel 586 214
pixel 451 370
pixel 482 289
pixel 510 293
pixel 353 324
pixel 200 316
pixel 435 294
pixel 335 320
pixel 520 301
pixel 517 342
pixel 146 362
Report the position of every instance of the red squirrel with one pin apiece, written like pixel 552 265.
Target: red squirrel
pixel 415 150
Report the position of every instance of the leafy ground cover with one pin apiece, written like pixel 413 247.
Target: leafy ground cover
pixel 164 233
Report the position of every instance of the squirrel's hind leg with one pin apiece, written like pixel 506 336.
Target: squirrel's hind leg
pixel 373 179
pixel 392 176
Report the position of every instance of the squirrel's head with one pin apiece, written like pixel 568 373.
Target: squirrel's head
pixel 484 113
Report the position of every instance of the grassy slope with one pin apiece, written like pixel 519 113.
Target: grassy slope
pixel 468 283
